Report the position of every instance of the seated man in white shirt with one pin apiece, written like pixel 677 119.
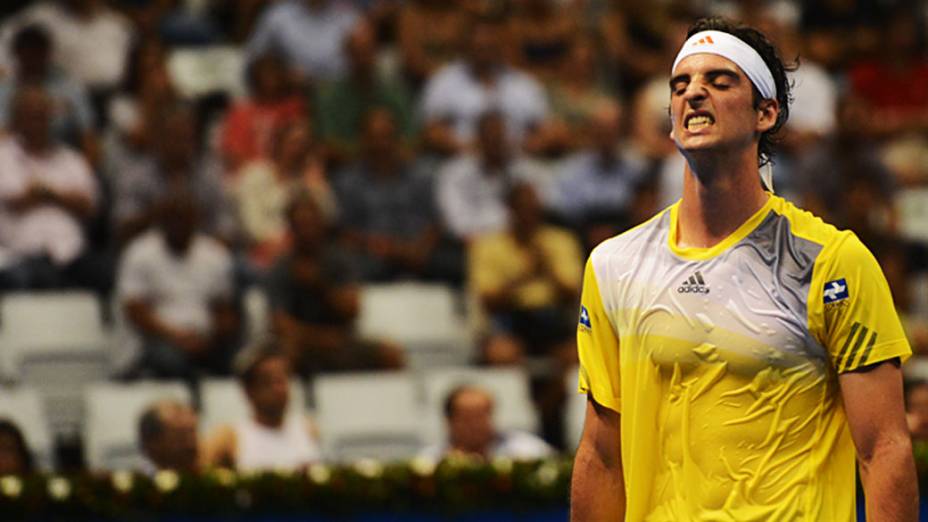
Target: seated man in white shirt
pixel 168 437
pixel 274 437
pixel 471 432
pixel 459 93
pixel 175 286
pixel 48 194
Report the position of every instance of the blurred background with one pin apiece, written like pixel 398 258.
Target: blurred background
pixel 266 234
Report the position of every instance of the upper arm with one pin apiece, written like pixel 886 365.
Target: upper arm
pixel 873 402
pixel 602 434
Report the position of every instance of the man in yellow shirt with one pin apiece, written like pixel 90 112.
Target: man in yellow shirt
pixel 737 350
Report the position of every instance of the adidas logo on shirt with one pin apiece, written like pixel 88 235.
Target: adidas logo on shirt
pixel 694 285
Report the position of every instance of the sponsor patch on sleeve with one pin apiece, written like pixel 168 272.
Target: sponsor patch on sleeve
pixel 585 318
pixel 835 291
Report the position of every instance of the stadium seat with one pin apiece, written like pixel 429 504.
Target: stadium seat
pixel 111 423
pixel 58 343
pixel 223 401
pixel 368 415
pixel 23 406
pixel 574 411
pixel 422 318
pixel 200 71
pixel 510 387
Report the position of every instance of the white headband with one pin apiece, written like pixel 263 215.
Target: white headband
pixel 729 46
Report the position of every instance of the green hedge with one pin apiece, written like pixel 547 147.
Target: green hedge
pixel 453 486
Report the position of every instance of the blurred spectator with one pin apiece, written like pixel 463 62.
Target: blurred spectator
pixel 641 38
pixel 889 95
pixel 597 187
pixel 167 432
pixel 899 263
pixel 341 106
pixel 813 110
pixel 431 33
pixel 890 89
pixel 839 29
pixel 238 17
pixel 72 116
pixel 309 34
pixel 542 32
pixel 576 93
pixel 313 296
pixel 177 162
pixel 175 287
pixel 91 39
pixel 916 406
pixel 527 279
pixel 459 93
pixel 252 122
pixel 468 413
pixel 264 187
pixel 146 91
pixel 471 189
pixel 48 194
pixel 15 457
pixel 847 169
pixel 916 410
pixel 388 218
pixel 274 437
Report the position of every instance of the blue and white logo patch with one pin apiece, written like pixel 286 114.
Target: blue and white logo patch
pixel 836 291
pixel 585 317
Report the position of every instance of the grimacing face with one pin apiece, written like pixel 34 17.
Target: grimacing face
pixel 712 106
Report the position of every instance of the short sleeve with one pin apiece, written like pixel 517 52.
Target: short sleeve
pixel 135 274
pixel 851 310
pixel 598 346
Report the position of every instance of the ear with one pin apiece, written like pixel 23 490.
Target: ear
pixel 767 113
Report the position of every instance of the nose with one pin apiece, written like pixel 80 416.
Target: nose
pixel 695 93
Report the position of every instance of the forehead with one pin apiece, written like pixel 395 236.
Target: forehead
pixel 705 62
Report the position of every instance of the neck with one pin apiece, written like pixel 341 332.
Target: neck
pixel 36 147
pixel 269 421
pixel 719 194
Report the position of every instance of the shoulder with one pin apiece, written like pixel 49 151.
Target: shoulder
pixel 208 248
pixel 459 168
pixel 522 80
pixel 454 72
pixel 283 12
pixel 146 250
pixel 73 160
pixel 523 445
pixel 557 235
pixel 808 226
pixel 645 234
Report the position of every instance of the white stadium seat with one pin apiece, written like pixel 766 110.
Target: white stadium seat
pixel 423 318
pixel 368 415
pixel 58 343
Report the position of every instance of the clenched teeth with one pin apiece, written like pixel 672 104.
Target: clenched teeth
pixel 698 122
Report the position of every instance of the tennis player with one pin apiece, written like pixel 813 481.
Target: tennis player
pixel 737 352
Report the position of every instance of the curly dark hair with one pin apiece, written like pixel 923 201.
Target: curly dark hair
pixel 771 56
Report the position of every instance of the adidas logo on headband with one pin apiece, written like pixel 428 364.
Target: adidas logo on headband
pixel 707 39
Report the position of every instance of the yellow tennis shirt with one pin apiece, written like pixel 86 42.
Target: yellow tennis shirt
pixel 723 364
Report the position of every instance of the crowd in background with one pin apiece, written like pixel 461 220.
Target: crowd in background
pixel 486 145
